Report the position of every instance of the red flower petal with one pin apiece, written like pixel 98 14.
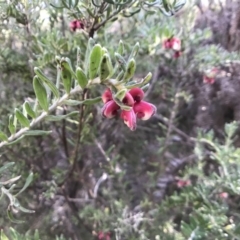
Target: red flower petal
pixel 176 44
pixel 137 94
pixel 129 118
pixel 110 109
pixel 144 110
pixel 167 44
pixel 128 100
pixel 107 95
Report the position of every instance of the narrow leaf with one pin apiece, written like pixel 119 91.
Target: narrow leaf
pixel 37 133
pixel 94 60
pixel 11 126
pixel 53 118
pixel 3 136
pixel 29 110
pixel 21 118
pixel 27 183
pixel 81 78
pixel 6 166
pixel 40 93
pixel 48 82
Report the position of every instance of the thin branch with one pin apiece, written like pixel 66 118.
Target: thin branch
pixel 37 120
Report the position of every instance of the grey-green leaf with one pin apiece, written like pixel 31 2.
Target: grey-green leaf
pixel 27 183
pixel 29 110
pixel 6 166
pixel 40 93
pixel 81 78
pixel 21 118
pixel 48 82
pixel 37 133
pixel 3 136
pixel 94 60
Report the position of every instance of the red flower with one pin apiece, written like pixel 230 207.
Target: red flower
pixel 176 44
pixel 133 98
pixel 183 183
pixel 223 195
pixel 107 95
pixel 144 110
pixel 208 80
pixel 167 43
pixel 137 94
pixel 76 24
pixel 209 76
pixel 110 109
pixel 172 43
pixel 103 236
pixel 129 118
pixel 128 100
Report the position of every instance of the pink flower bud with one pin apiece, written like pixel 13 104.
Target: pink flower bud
pixel 129 118
pixel 144 110
pixel 137 94
pixel 110 109
pixel 103 236
pixel 107 95
pixel 128 100
pixel 177 54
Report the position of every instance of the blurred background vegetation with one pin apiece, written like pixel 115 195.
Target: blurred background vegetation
pixel 177 175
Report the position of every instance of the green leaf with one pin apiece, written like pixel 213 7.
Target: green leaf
pixel 81 78
pixel 40 93
pixel 130 70
pixel 120 49
pixel 106 68
pixel 47 81
pixel 27 183
pixel 90 45
pixel 6 166
pixel 121 61
pixel 21 118
pixel 134 51
pixel 10 216
pixel 121 94
pixel 91 101
pixel 15 141
pixel 29 110
pixel 142 83
pixel 95 60
pixel 3 136
pixel 3 236
pixel 66 75
pixel 11 126
pixel 37 133
pixel 53 118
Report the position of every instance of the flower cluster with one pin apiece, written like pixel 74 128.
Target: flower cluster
pixel 138 108
pixel 173 43
pixel 210 75
pixel 76 24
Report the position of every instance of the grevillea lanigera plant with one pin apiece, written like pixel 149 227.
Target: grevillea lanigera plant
pixel 122 94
